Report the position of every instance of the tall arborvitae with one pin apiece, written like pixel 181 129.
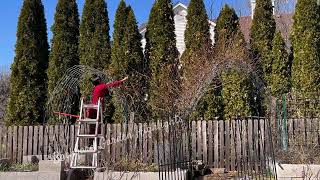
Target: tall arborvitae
pixel 305 39
pixel 28 71
pixel 131 64
pixel 230 47
pixel 197 32
pixel 280 77
pixel 94 44
pixel 64 48
pixel 198 42
pixel 163 59
pixel 262 33
pixel 117 51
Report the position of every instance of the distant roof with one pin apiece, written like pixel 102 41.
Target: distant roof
pixel 283 21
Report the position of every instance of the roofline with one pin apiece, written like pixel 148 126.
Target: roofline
pixel 180 4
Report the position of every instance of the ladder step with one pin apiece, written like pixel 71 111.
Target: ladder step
pixel 87 135
pixel 88 120
pixel 90 136
pixel 83 167
pixel 86 151
pixel 91 106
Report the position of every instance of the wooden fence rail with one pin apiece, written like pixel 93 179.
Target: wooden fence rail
pixel 217 143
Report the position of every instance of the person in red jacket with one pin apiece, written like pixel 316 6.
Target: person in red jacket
pixel 101 90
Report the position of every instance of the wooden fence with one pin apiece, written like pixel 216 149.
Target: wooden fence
pixel 217 143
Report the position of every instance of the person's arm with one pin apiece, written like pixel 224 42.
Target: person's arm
pixel 116 83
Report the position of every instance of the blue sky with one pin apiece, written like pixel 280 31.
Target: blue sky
pixel 10 9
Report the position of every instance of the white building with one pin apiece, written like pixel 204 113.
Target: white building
pixel 180 23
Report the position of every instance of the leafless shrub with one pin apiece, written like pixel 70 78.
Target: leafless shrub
pixel 299 152
pixel 4 94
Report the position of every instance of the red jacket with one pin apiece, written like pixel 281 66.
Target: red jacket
pixel 102 90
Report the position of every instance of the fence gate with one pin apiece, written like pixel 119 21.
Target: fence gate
pixel 173 150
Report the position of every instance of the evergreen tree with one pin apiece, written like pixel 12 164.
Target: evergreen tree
pixel 280 77
pixel 198 42
pixel 28 71
pixel 262 33
pixel 162 56
pixel 64 48
pixel 305 37
pixel 94 45
pixel 117 50
pixel 131 64
pixel 231 47
pixel 197 32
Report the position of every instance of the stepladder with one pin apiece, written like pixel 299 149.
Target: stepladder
pixel 88 133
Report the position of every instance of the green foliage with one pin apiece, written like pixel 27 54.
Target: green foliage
pixel 305 37
pixel 130 64
pixel 64 48
pixel 117 51
pixel 94 44
pixel 237 91
pixel 197 32
pixel 227 23
pixel 280 77
pixel 162 56
pixel 262 33
pixel 28 71
pixel 197 40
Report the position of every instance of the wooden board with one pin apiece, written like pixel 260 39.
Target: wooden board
pixel 30 140
pixel 20 144
pixel 221 144
pixel 40 145
pixel 145 143
pixel 9 147
pixel 194 140
pixel 35 140
pixel 45 142
pixel 210 144
pixel 199 141
pixel 25 140
pixel 232 146
pixel 227 144
pixel 216 143
pixel 204 142
pixel 5 142
pixel 15 143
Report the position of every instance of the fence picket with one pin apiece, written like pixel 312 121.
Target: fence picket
pixel 5 142
pixel 216 143
pixel 9 147
pixel 25 140
pixel 40 144
pixel 20 145
pixel 194 140
pixel 227 144
pixel 221 143
pixel 14 143
pixel 35 140
pixel 204 142
pixel 210 144
pixel 30 140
